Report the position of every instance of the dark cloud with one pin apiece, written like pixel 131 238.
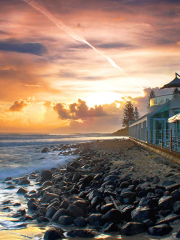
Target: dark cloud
pixel 18 105
pixel 19 47
pixel 78 110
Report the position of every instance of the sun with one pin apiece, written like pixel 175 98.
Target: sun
pixel 101 98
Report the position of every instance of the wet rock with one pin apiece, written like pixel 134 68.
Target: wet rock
pixel 126 212
pixel 42 219
pixel 22 191
pixel 70 169
pixel 86 180
pixel 178 234
pixel 176 195
pixel 45 150
pixel 8 179
pixel 26 218
pixel 23 181
pixel 110 227
pixel 76 177
pixel 64 204
pixel 124 185
pixel 81 233
pixel 142 213
pixel 95 220
pixel 32 204
pixel 176 207
pixel 112 215
pixel 166 202
pixel 94 193
pixel 105 208
pixel 132 228
pixel 149 223
pixel 53 234
pixel 82 203
pixel 46 184
pixel 66 220
pixel 16 204
pixel 42 211
pixel 8 209
pixel 168 182
pixel 172 187
pixel 111 178
pixel 6 202
pixel 10 187
pixel 48 197
pixel 50 212
pixel 169 218
pixel 45 175
pixel 80 222
pixel 159 230
pixel 96 201
pixel 75 211
pixel 58 214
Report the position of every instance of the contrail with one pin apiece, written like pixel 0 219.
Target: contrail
pixel 72 34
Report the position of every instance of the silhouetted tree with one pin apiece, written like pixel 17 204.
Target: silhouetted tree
pixel 151 95
pixel 128 113
pixel 175 92
pixel 136 114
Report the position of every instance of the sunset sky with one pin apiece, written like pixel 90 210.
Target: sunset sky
pixel 68 66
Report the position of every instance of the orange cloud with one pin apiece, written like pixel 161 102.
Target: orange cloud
pixel 78 110
pixel 18 105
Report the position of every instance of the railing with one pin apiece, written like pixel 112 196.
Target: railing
pixel 168 139
pixel 163 99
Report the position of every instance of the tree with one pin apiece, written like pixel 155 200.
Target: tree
pixel 151 95
pixel 175 92
pixel 136 114
pixel 128 113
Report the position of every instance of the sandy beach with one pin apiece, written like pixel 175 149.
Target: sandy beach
pixel 108 186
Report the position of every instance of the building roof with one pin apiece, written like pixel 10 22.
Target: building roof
pixel 174 83
pixel 174 118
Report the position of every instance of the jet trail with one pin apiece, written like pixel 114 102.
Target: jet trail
pixel 72 34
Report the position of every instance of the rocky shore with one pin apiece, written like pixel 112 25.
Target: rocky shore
pixel 113 186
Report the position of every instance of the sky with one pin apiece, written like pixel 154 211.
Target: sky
pixel 69 66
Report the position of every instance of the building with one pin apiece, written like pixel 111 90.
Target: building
pixel 154 127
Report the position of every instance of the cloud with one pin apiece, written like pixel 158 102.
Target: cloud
pixel 78 110
pixel 18 105
pixel 19 47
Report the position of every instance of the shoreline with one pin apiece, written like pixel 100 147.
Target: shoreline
pixel 94 181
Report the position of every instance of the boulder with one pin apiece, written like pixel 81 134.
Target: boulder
pixel 48 197
pixel 85 233
pixel 176 207
pixel 50 212
pixel 46 184
pixel 75 211
pixel 86 180
pixel 64 204
pixel 80 222
pixel 165 202
pixel 159 230
pixel 58 214
pixel 32 204
pixel 142 213
pixel 126 212
pixel 132 228
pixel 95 219
pixel 53 234
pixel 45 150
pixel 42 219
pixel 22 191
pixel 76 177
pixel 23 181
pixel 65 220
pixel 105 208
pixel 112 215
pixel 110 227
pixel 45 175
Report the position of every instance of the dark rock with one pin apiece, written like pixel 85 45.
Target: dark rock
pixel 50 212
pixel 149 223
pixel 46 184
pixel 86 180
pixel 53 234
pixel 176 195
pixel 8 179
pixel 32 204
pixel 95 220
pixel 111 178
pixel 70 169
pixel 96 201
pixel 178 234
pixel 22 191
pixel 156 180
pixel 142 213
pixel 66 220
pixel 26 218
pixel 159 230
pixel 176 207
pixel 94 193
pixel 76 177
pixel 23 181
pixel 42 219
pixel 58 214
pixel 169 218
pixel 81 233
pixel 166 202
pixel 80 222
pixel 105 208
pixel 45 150
pixel 42 211
pixel 10 187
pixel 164 213
pixel 6 202
pixel 112 215
pixel 168 183
pixel 45 175
pixel 64 204
pixel 126 212
pixel 75 211
pixel 48 197
pixel 110 227
pixel 172 187
pixel 141 194
pixel 132 228
pixel 82 203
